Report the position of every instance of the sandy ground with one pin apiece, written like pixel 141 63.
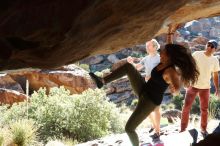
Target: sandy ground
pixel 170 137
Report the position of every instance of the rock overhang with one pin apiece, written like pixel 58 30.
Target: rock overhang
pixel 49 34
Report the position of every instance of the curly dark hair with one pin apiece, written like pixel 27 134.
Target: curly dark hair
pixel 182 58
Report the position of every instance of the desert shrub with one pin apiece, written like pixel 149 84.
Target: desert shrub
pixel 93 113
pixel 4 135
pixel 17 129
pixel 106 71
pixel 118 120
pixel 23 132
pixel 1 140
pixel 169 106
pixel 214 107
pixel 137 55
pixel 98 73
pixel 80 117
pixel 178 102
pixel 134 103
pixel 85 67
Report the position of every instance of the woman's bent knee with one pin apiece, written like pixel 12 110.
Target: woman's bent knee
pixel 129 129
pixel 128 66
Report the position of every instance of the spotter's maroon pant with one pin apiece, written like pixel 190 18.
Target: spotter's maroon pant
pixel 191 93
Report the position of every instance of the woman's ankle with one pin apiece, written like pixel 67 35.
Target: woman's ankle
pixel 158 133
pixel 97 80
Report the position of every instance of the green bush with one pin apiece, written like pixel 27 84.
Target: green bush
pixel 106 71
pixel 80 117
pixel 1 140
pixel 175 103
pixel 93 113
pixel 134 103
pixel 15 113
pixel 137 55
pixel 178 102
pixel 169 106
pixel 23 132
pixel 214 107
pixel 98 73
pixel 4 136
pixel 85 67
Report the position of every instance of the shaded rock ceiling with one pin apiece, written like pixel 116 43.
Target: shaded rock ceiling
pixel 52 33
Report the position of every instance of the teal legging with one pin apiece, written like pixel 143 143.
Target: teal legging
pixel 144 107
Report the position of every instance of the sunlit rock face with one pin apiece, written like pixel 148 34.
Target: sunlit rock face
pixel 6 82
pixel 49 34
pixel 73 78
pixel 14 85
pixel 10 97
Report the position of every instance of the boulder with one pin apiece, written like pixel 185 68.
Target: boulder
pixel 50 34
pixel 71 77
pixel 10 96
pixel 6 82
pixel 172 116
pixel 194 27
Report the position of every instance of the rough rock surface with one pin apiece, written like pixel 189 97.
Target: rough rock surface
pixel 73 78
pixel 10 96
pixel 6 82
pixel 172 115
pixel 49 34
pixel 12 85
